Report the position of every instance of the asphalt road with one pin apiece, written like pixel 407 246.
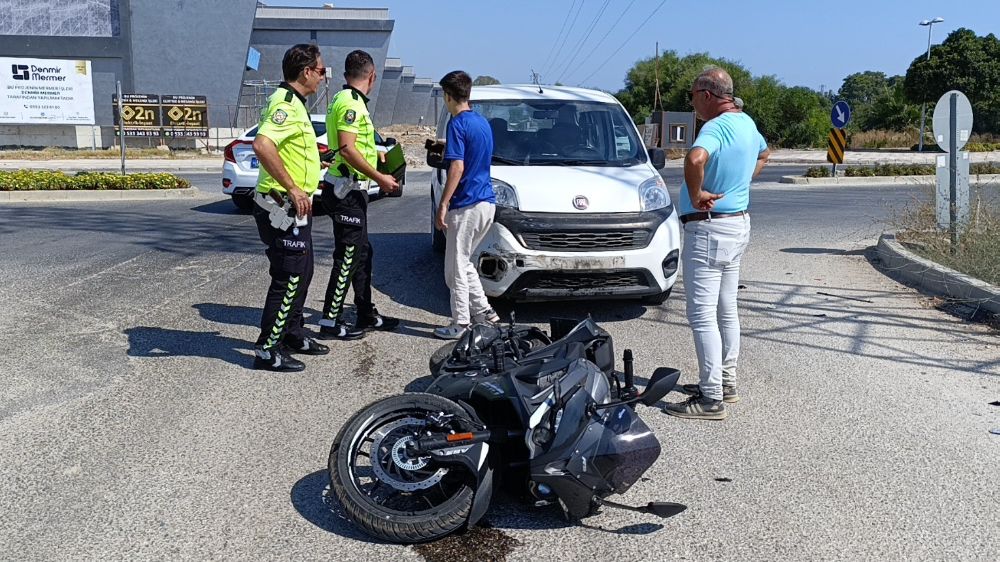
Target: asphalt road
pixel 131 427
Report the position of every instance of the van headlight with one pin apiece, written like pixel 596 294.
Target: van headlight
pixel 653 194
pixel 505 194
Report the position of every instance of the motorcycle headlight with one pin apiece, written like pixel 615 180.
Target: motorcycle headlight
pixel 653 194
pixel 505 194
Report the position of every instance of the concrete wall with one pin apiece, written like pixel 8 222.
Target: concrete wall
pixel 412 109
pixel 192 47
pixel 403 94
pixel 390 76
pixel 337 32
pixel 160 48
pixel 435 106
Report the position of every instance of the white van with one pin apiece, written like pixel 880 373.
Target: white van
pixel 582 211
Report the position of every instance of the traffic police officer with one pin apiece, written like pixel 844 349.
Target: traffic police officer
pixel 345 196
pixel 290 167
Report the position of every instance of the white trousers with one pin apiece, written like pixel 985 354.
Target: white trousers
pixel 467 228
pixel 711 263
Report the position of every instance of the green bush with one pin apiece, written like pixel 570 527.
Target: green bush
pixel 818 172
pixel 36 180
pixel 982 146
pixel 898 170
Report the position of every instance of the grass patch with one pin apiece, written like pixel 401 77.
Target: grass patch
pixel 102 154
pixel 883 139
pixel 888 170
pixel 978 247
pixel 42 180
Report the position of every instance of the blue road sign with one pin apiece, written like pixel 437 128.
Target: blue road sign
pixel 841 115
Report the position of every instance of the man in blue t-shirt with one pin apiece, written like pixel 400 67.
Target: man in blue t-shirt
pixel 467 205
pixel 714 208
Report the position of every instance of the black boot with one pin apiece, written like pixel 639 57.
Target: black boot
pixel 275 359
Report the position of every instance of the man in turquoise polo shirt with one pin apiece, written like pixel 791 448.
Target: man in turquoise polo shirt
pixel 714 208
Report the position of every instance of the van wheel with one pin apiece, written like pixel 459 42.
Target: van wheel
pixel 657 299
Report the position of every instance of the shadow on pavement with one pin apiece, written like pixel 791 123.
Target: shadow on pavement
pixel 145 341
pixel 222 207
pixel 830 251
pixel 166 226
pixel 312 498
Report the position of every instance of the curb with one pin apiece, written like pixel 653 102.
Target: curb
pixel 980 179
pixel 936 278
pixel 100 195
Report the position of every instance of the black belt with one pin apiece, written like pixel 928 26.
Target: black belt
pixel 708 216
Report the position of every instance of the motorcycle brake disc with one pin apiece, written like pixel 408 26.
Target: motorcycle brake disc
pixel 390 449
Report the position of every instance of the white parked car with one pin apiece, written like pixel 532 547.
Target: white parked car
pixel 240 167
pixel 582 211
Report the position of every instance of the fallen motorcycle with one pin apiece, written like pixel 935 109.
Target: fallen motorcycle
pixel 551 418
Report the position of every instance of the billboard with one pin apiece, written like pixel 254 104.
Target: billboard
pixel 46 92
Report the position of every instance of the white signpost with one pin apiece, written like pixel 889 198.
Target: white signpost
pixel 46 92
pixel 952 128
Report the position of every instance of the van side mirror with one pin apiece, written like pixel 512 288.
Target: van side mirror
pixel 663 381
pixel 435 154
pixel 657 157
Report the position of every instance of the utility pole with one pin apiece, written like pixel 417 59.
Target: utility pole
pixel 657 100
pixel 923 107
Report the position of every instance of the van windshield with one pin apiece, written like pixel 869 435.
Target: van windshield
pixel 561 133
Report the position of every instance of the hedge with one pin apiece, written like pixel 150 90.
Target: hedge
pixel 37 180
pixel 898 170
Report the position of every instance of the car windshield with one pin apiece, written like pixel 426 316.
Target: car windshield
pixel 561 133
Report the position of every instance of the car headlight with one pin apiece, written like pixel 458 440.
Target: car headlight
pixel 505 194
pixel 653 194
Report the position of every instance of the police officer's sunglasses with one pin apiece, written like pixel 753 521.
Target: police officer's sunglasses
pixel 321 71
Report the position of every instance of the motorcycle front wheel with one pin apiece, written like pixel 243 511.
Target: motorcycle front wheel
pixel 389 495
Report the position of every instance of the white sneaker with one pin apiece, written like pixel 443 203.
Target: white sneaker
pixel 450 332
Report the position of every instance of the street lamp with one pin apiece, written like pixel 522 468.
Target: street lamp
pixel 923 108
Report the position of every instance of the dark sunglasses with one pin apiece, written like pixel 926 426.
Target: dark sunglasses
pixel 321 71
pixel 690 95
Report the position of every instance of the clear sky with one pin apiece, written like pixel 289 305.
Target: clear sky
pixel 810 43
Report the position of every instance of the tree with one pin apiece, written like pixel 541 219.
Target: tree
pixel 964 62
pixel 862 88
pixel 485 81
pixel 785 116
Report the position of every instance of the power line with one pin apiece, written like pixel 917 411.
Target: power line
pixel 552 49
pixel 608 32
pixel 622 46
pixel 576 48
pixel 568 32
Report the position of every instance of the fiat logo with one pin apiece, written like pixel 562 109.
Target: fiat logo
pixel 581 202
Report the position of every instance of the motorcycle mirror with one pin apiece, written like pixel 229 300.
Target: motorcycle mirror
pixel 665 509
pixel 663 381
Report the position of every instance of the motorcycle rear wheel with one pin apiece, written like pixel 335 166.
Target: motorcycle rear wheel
pixel 391 498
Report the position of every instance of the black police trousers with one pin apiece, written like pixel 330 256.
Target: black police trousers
pixel 290 253
pixel 352 254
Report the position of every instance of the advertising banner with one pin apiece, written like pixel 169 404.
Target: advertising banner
pixel 46 92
